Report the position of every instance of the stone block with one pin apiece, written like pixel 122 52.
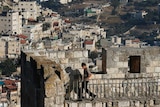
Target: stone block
pixel 106 76
pixel 73 60
pixel 112 70
pixel 81 104
pixel 98 104
pixel 123 70
pixel 157 69
pixel 61 54
pixel 150 69
pixel 77 65
pixel 122 64
pixel 97 76
pixel 116 58
pixel 119 75
pixel 69 54
pixel 53 55
pixel 59 99
pixel 89 105
pixel 154 63
pixel 123 104
pixel 78 54
pixel 83 60
pixel 123 58
pixel 85 53
pixel 63 60
pixel 73 105
pixel 58 105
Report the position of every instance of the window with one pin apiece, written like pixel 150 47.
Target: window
pixel 134 64
pixel 1 19
pixel 31 9
pixel 30 4
pixel 31 14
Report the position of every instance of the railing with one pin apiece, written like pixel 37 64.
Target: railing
pixel 141 88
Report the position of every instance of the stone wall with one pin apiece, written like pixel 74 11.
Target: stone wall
pixel 42 81
pixel 69 58
pixel 117 61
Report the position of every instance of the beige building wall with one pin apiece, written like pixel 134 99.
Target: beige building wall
pixel 2 49
pixel 11 23
pixel 33 32
pixel 129 43
pixel 13 49
pixel 31 7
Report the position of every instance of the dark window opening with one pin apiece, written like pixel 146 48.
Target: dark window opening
pixel 134 64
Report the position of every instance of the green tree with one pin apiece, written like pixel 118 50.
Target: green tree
pixel 7 67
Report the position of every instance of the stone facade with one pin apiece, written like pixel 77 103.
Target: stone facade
pixel 42 82
pixel 69 58
pixel 117 60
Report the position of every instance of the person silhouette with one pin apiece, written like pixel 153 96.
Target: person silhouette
pixel 86 78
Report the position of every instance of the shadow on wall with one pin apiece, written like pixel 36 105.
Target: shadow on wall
pixel 73 74
pixel 74 78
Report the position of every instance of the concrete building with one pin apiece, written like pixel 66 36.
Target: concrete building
pixel 33 32
pixel 135 43
pixel 89 44
pixel 13 49
pixel 28 9
pixel 3 50
pixel 9 48
pixel 10 23
pixel 55 21
pixel 92 11
pixel 116 40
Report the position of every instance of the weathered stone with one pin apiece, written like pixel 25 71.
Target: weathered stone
pixel 78 54
pixel 123 104
pixel 63 60
pixel 69 54
pixel 85 53
pixel 61 54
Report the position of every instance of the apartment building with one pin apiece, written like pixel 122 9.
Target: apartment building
pixel 28 9
pixel 33 32
pixel 54 20
pixel 2 49
pixel 13 49
pixel 10 23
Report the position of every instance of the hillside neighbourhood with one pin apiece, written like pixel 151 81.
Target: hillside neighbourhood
pixel 65 25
